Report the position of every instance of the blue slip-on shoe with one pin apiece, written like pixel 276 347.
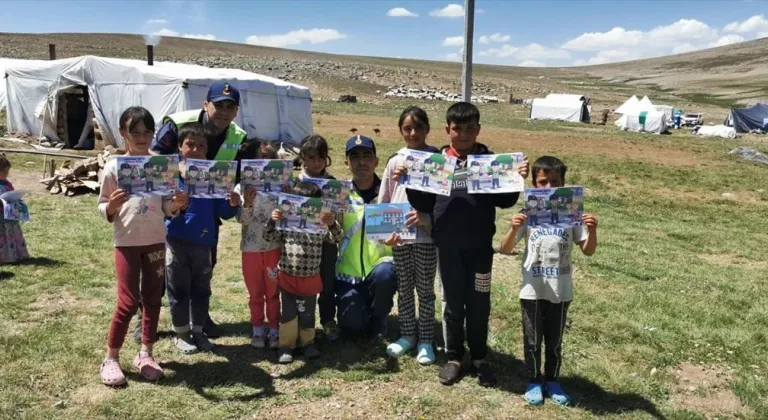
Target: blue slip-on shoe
pixel 399 347
pixel 426 354
pixel 555 391
pixel 534 394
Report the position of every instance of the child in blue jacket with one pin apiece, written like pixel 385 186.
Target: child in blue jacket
pixel 188 264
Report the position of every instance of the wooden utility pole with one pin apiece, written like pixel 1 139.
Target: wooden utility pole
pixel 51 51
pixel 469 31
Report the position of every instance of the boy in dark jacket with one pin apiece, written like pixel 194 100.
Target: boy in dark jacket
pixel 190 237
pixel 465 250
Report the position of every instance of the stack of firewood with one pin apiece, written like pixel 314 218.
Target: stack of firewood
pixel 73 176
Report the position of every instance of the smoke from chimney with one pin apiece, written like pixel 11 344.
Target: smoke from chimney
pixel 150 55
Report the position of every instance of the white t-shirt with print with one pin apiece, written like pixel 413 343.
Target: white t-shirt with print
pixel 547 272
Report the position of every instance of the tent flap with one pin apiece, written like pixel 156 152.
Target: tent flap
pixel 745 120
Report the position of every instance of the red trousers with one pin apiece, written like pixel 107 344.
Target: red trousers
pixel 140 278
pixel 260 275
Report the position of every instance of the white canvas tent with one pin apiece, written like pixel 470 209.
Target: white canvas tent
pixel 562 107
pixel 645 105
pixel 270 109
pixel 643 122
pixel 628 106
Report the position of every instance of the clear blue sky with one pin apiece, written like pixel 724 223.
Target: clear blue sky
pixel 554 33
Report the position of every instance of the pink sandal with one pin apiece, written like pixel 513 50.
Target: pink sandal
pixel 111 374
pixel 147 366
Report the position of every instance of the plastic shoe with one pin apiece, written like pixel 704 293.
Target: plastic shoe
pixel 555 391
pixel 399 347
pixel 185 344
pixel 450 373
pixel 147 366
pixel 426 354
pixel 202 342
pixel 534 394
pixel 285 357
pixel 111 374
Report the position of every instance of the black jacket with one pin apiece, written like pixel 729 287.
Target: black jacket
pixel 462 220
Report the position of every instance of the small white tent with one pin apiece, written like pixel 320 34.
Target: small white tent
pixel 562 107
pixel 643 122
pixel 628 106
pixel 645 105
pixel 270 109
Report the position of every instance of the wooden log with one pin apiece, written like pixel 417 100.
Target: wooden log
pixel 44 152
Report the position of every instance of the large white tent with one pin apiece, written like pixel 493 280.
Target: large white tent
pixel 270 109
pixel 562 107
pixel 643 122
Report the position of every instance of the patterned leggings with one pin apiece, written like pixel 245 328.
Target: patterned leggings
pixel 416 266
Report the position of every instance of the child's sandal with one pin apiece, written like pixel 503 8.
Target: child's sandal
pixel 111 374
pixel 147 366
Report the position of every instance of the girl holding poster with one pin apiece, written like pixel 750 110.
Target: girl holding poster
pixel 416 260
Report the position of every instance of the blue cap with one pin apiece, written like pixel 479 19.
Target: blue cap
pixel 360 141
pixel 223 91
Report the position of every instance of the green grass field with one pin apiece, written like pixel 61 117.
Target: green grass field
pixel 676 287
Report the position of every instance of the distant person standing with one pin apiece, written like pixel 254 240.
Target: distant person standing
pixel 224 139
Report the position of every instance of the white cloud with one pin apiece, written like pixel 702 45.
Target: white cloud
pixel 453 41
pixel 401 12
pixel 165 32
pixel 207 37
pixel 757 23
pixel 762 35
pixel 297 37
pixel 727 40
pixel 497 37
pixel 480 11
pixel 684 48
pixel 531 51
pixel 449 11
pixel 157 22
pixel 595 41
pixel 531 63
pixel 451 57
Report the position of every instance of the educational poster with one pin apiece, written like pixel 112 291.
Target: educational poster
pixel 495 174
pixel 554 207
pixel 300 214
pixel 381 220
pixel 335 192
pixel 147 175
pixel 14 208
pixel 427 171
pixel 267 175
pixel 209 178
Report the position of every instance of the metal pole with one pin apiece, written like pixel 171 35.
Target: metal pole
pixel 469 30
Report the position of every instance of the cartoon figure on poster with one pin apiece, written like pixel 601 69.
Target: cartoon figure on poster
pixel 248 176
pixel 382 220
pixel 300 213
pixel 495 173
pixel 193 177
pixel 554 207
pixel 125 177
pixel 474 173
pixel 532 210
pixel 149 177
pixel 409 165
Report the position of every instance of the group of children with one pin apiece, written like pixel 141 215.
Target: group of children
pixel 163 241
